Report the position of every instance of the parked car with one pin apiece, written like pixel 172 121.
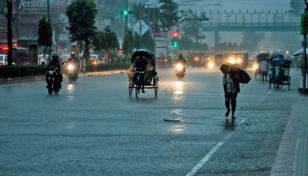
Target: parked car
pixel 95 57
pixel 3 59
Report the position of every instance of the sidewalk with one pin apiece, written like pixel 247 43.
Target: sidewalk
pixel 292 156
pixel 38 78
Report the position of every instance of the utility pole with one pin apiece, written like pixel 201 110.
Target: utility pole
pixel 9 31
pixel 140 27
pixel 126 18
pixel 49 21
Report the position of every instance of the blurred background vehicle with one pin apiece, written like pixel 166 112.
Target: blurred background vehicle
pixel 239 58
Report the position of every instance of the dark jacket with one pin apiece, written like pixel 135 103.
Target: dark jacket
pixel 141 64
pixel 182 60
pixel 54 63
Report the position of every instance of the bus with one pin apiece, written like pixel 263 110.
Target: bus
pixel 20 55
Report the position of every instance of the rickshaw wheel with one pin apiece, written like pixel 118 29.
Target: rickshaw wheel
pixel 137 88
pixel 130 89
pixel 278 86
pixel 156 88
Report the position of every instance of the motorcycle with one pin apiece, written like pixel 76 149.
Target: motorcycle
pixel 180 70
pixel 53 80
pixel 72 72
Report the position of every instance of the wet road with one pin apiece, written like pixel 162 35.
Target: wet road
pixel 94 128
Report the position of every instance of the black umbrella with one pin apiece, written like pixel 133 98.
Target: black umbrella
pixel 273 56
pixel 262 56
pixel 240 75
pixel 143 52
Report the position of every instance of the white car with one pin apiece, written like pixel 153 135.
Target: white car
pixel 94 57
pixel 3 59
pixel 42 59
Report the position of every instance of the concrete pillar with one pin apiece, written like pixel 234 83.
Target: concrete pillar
pixel 216 41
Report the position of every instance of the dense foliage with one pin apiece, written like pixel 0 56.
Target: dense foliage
pixel 45 35
pixel 81 16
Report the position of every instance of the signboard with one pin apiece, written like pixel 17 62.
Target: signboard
pixel 63 37
pixel 144 27
pixel 40 6
pixel 160 42
pixel 161 50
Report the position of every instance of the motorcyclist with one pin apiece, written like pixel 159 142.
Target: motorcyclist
pixel 55 62
pixel 74 60
pixel 181 60
pixel 141 64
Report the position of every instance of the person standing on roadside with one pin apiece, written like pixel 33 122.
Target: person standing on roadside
pixel 264 69
pixel 231 89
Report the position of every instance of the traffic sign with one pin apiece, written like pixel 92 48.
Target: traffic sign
pixel 304 23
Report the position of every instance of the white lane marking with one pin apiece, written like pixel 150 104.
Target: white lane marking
pixel 263 97
pixel 43 121
pixel 218 145
pixel 208 156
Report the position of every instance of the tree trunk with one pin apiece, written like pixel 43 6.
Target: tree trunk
pixel 86 52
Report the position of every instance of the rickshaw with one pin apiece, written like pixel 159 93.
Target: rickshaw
pixel 150 78
pixel 280 73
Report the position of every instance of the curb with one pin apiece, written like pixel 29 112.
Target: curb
pixel 284 160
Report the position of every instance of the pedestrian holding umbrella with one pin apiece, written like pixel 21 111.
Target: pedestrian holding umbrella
pixel 233 76
pixel 300 52
pixel 240 74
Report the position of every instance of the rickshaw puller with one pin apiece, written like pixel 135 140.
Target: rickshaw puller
pixel 141 64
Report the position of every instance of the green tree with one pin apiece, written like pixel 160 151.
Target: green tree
pixel 105 40
pixel 297 7
pixel 187 43
pixel 128 44
pixel 228 46
pixel 148 42
pixel 45 35
pixel 81 16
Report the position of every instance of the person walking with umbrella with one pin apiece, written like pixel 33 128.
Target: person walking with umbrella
pixel 231 89
pixel 264 69
pixel 233 75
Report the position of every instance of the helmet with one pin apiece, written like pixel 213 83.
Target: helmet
pixel 72 53
pixel 55 55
